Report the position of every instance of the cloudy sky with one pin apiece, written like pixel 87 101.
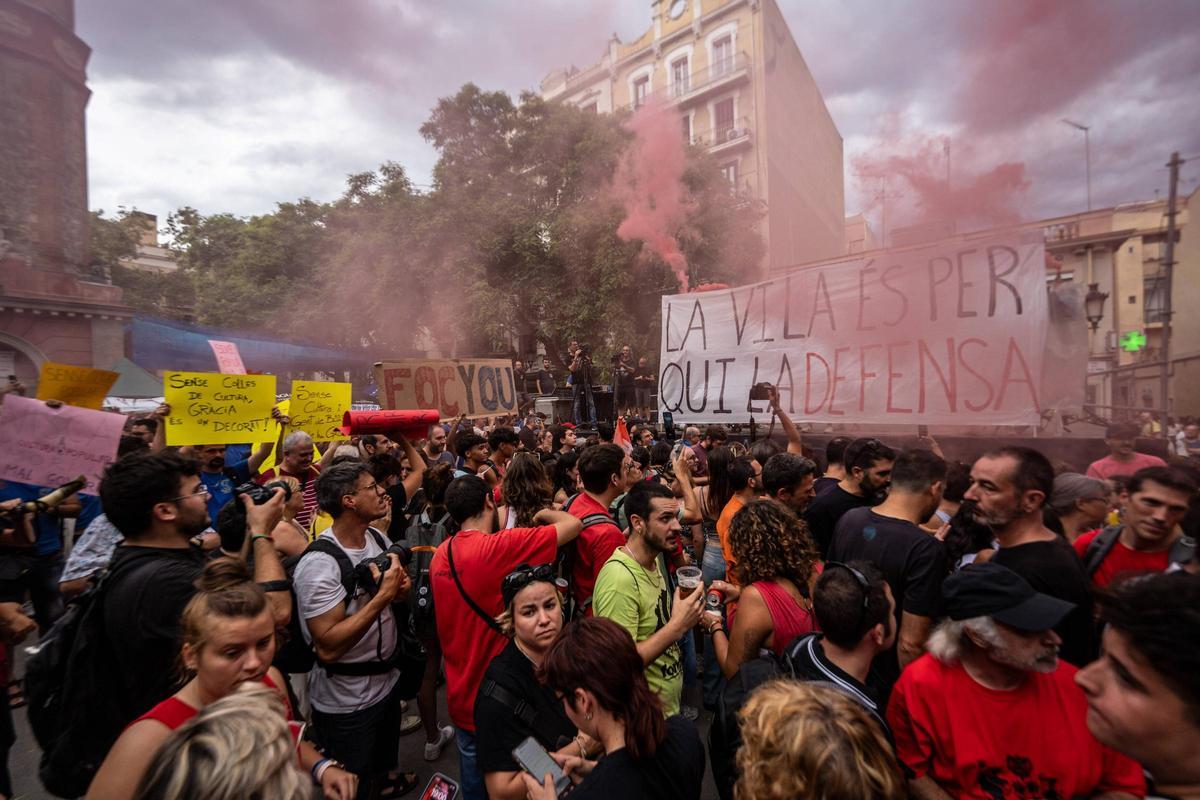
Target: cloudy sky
pixel 234 105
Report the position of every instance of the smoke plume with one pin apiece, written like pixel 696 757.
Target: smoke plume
pixel 649 185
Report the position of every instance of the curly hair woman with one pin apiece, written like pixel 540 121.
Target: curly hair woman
pixel 801 740
pixel 526 490
pixel 775 565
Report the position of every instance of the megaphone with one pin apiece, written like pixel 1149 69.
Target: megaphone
pixel 412 424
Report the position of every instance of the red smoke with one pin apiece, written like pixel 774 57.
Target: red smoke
pixel 649 185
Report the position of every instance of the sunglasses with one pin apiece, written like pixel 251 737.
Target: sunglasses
pixel 863 584
pixel 524 575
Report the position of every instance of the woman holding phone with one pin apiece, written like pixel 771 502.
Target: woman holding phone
pixel 228 640
pixel 595 668
pixel 512 704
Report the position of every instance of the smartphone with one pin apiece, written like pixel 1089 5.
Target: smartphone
pixel 923 431
pixel 440 787
pixel 534 759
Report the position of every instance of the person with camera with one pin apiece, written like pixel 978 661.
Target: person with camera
pixel 583 404
pixel 353 688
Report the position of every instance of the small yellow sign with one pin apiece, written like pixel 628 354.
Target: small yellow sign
pixel 211 408
pixel 317 408
pixel 76 386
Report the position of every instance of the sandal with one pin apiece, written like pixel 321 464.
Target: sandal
pixel 397 784
pixel 16 693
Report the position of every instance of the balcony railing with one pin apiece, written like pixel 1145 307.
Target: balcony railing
pixel 729 133
pixel 701 82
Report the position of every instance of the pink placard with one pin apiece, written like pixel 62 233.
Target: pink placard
pixel 229 360
pixel 50 446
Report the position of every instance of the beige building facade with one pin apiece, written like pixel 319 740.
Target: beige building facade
pixel 733 73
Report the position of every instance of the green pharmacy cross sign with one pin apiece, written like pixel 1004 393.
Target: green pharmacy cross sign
pixel 1133 341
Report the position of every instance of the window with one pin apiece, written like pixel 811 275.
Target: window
pixel 1154 297
pixel 593 108
pixel 730 171
pixel 641 88
pixel 722 56
pixel 680 80
pixel 722 119
pixel 686 119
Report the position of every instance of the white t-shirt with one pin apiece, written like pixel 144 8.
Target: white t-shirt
pixel 318 586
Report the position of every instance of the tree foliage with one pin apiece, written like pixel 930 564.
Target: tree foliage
pixel 514 245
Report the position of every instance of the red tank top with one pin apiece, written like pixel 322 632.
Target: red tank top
pixel 173 712
pixel 789 618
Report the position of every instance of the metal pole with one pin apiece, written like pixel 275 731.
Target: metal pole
pixel 1168 267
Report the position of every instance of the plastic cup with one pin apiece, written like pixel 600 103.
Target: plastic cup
pixel 689 579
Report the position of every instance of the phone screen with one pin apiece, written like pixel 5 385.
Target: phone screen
pixel 534 759
pixel 440 788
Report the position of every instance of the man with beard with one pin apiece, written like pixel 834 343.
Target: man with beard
pixel 434 449
pixel 634 591
pixel 989 712
pixel 912 561
pixel 788 479
pixel 157 502
pixel 1009 488
pixel 868 464
pixel 220 479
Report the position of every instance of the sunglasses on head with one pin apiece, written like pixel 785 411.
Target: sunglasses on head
pixel 863 584
pixel 524 575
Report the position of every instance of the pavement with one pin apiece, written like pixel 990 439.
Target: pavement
pixel 23 758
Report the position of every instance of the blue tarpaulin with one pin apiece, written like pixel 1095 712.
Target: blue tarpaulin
pixel 156 344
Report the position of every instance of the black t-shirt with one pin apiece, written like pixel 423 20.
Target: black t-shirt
pixel 498 729
pixel 1051 567
pixel 675 772
pixel 823 484
pixel 144 600
pixel 823 513
pixel 912 561
pixel 545 381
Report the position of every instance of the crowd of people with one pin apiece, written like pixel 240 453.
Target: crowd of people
pixel 864 621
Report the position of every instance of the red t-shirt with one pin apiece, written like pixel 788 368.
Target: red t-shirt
pixel 1121 560
pixel 468 643
pixel 592 548
pixel 983 743
pixel 1105 468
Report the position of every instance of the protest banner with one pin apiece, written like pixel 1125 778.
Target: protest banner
pixel 76 386
pixel 952 333
pixel 317 408
pixel 211 408
pixel 478 387
pixel 229 358
pixel 49 446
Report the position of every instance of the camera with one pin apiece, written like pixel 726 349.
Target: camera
pixel 585 350
pixel 761 391
pixel 362 571
pixel 261 494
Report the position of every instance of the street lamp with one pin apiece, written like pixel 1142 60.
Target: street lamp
pixel 1087 157
pixel 1093 305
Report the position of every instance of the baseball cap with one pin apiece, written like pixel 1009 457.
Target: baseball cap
pixel 992 590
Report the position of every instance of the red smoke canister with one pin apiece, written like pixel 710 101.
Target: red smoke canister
pixel 413 424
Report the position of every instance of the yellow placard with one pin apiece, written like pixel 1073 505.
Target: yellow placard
pixel 76 386
pixel 317 408
pixel 211 408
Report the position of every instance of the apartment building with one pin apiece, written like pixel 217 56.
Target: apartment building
pixel 732 71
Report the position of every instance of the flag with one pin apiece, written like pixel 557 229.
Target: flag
pixel 621 436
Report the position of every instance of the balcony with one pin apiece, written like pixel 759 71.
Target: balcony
pixel 703 83
pixel 727 137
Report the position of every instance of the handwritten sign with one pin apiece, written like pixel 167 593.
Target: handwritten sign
pixel 229 359
pixel 50 446
pixel 210 408
pixel 317 408
pixel 76 386
pixel 475 387
pixel 939 334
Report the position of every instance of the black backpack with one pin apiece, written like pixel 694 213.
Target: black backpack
pixel 296 655
pixel 1182 549
pixel 422 537
pixel 73 709
pixel 564 563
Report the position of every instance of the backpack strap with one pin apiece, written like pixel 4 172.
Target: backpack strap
pixel 1099 548
pixel 520 709
pixel 458 582
pixel 348 580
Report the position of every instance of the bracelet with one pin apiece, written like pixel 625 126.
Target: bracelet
pixel 320 767
pixel 266 536
pixel 582 752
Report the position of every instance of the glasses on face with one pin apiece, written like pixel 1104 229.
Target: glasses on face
pixel 373 486
pixel 201 491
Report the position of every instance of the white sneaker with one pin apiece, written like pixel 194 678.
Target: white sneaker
pixel 433 750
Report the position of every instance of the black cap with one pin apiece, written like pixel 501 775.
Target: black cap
pixel 992 590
